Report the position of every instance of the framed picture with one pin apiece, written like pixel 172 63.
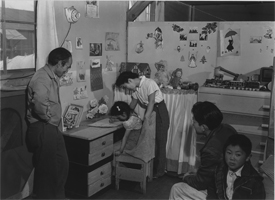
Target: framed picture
pixel 72 116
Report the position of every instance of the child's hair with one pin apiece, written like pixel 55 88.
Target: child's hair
pixel 119 108
pixel 124 76
pixel 239 140
pixel 207 113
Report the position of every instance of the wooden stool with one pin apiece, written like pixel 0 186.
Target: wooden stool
pixel 133 169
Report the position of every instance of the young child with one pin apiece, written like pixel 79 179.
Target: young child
pixel 148 93
pixel 235 178
pixel 121 111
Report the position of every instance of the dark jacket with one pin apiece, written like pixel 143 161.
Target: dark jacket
pixel 248 186
pixel 211 155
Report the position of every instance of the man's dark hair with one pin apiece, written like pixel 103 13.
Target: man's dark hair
pixel 207 113
pixel 239 140
pixel 59 54
pixel 124 77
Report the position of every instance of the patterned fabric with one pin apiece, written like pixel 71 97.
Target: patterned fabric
pixel 248 186
pixel 133 123
pixel 147 86
pixel 177 91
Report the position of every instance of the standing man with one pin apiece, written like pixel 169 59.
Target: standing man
pixel 147 92
pixel 44 139
pixel 207 121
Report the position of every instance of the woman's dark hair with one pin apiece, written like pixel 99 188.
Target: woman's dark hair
pixel 124 77
pixel 59 54
pixel 239 140
pixel 119 108
pixel 207 113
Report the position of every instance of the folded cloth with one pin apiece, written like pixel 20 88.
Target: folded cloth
pixel 141 144
pixel 104 123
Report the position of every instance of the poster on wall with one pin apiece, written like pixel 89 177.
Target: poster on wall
pixel 96 78
pixel 78 43
pixel 92 9
pixel 230 42
pixel 81 72
pixel 111 41
pixel 66 80
pixel 80 92
pixel 157 35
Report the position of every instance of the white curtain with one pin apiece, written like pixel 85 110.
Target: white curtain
pixel 46 31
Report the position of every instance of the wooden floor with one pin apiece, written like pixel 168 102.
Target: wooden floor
pixel 157 189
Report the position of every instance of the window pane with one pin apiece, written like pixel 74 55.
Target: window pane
pixel 20 34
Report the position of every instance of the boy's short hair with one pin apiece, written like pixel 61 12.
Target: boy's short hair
pixel 124 77
pixel 207 113
pixel 239 140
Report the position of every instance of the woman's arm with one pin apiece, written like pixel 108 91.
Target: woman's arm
pixel 123 143
pixel 150 107
pixel 133 103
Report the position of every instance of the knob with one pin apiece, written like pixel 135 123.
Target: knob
pixel 102 184
pixel 103 154
pixel 101 173
pixel 103 143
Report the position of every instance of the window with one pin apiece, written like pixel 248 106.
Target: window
pixel 18 34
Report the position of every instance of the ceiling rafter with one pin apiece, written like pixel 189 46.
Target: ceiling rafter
pixel 137 9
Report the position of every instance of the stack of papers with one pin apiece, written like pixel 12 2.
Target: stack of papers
pixel 104 123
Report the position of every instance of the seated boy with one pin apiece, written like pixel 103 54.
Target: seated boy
pixel 235 178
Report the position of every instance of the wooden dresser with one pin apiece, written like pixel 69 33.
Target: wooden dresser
pixel 90 152
pixel 246 111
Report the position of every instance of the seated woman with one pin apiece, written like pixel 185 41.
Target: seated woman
pixel 121 111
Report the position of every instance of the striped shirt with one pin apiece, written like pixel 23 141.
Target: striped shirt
pixel 146 87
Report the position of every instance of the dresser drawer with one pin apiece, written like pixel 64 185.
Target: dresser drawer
pixel 99 185
pixel 238 103
pixel 100 155
pixel 257 125
pixel 99 173
pixel 101 143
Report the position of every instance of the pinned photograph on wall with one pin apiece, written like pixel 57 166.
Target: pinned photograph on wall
pixel 193 30
pixel 66 80
pixel 255 39
pixel 81 72
pixel 112 41
pixel 157 35
pixel 268 34
pixel 203 36
pixel 80 92
pixel 92 9
pixel 139 47
pixel 193 43
pixel 68 45
pixel 96 78
pixel 230 42
pixel 95 49
pixel 72 116
pixel 78 43
pixel 192 59
pixel 183 37
pixel 94 63
pixel 110 65
pixel 177 28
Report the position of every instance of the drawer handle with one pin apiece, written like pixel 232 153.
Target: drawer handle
pixel 103 143
pixel 101 173
pixel 103 154
pixel 264 125
pixel 102 184
pixel 267 107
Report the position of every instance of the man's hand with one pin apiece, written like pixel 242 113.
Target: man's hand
pixel 188 174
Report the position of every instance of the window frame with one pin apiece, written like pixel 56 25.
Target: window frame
pixel 6 73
